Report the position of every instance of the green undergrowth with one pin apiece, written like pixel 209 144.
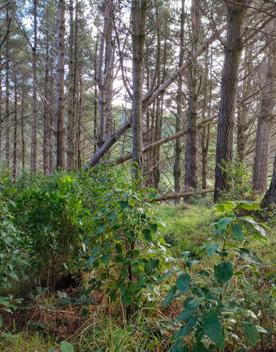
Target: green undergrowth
pixel 184 228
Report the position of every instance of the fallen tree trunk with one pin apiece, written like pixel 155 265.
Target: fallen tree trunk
pixel 170 196
pixel 164 140
pixel 150 98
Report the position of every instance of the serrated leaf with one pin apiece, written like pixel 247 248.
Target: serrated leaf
pixel 237 232
pixel 223 272
pixel 211 248
pixel 183 282
pixel 221 225
pixel 213 329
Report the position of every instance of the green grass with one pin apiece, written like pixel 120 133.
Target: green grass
pixel 186 227
pixel 24 343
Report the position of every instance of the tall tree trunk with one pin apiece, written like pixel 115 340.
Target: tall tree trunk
pixel 52 117
pixel 265 119
pixel 205 133
pixel 14 158
pixel 73 55
pixel 232 52
pixel 7 90
pixel 270 196
pixel 242 121
pixel 47 108
pixel 60 84
pixel 78 119
pixel 138 16
pixel 179 102
pixel 190 180
pixel 23 149
pixel 1 115
pixel 34 101
pixel 105 75
pixel 95 103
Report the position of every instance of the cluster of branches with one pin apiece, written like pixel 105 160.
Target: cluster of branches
pixel 181 89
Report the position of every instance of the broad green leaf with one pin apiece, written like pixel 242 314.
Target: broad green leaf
pixel 250 333
pixel 221 225
pixel 213 329
pixel 189 309
pixel 247 205
pixel 170 296
pixel 223 272
pixel 211 248
pixel 226 207
pixel 66 347
pixel 237 232
pixel 183 282
pixel 185 329
pixel 147 234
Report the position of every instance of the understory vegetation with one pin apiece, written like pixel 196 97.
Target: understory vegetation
pixel 89 262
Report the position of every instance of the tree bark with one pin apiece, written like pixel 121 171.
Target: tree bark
pixel 14 158
pixel 205 133
pixel 23 148
pixel 232 52
pixel 265 120
pixel 47 116
pixel 34 101
pixel 60 84
pixel 179 103
pixel 105 75
pixel 190 180
pixel 138 17
pixel 270 196
pixel 72 91
pixel 7 90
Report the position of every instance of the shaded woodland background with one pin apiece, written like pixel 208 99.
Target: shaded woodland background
pixel 76 75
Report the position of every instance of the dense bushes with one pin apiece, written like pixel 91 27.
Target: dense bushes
pixel 67 223
pixel 100 226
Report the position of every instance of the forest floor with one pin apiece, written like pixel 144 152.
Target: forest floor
pixel 50 319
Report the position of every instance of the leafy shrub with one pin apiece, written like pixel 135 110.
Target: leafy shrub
pixel 214 308
pixel 50 214
pixel 238 181
pixel 12 258
pixel 124 250
pixel 97 220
